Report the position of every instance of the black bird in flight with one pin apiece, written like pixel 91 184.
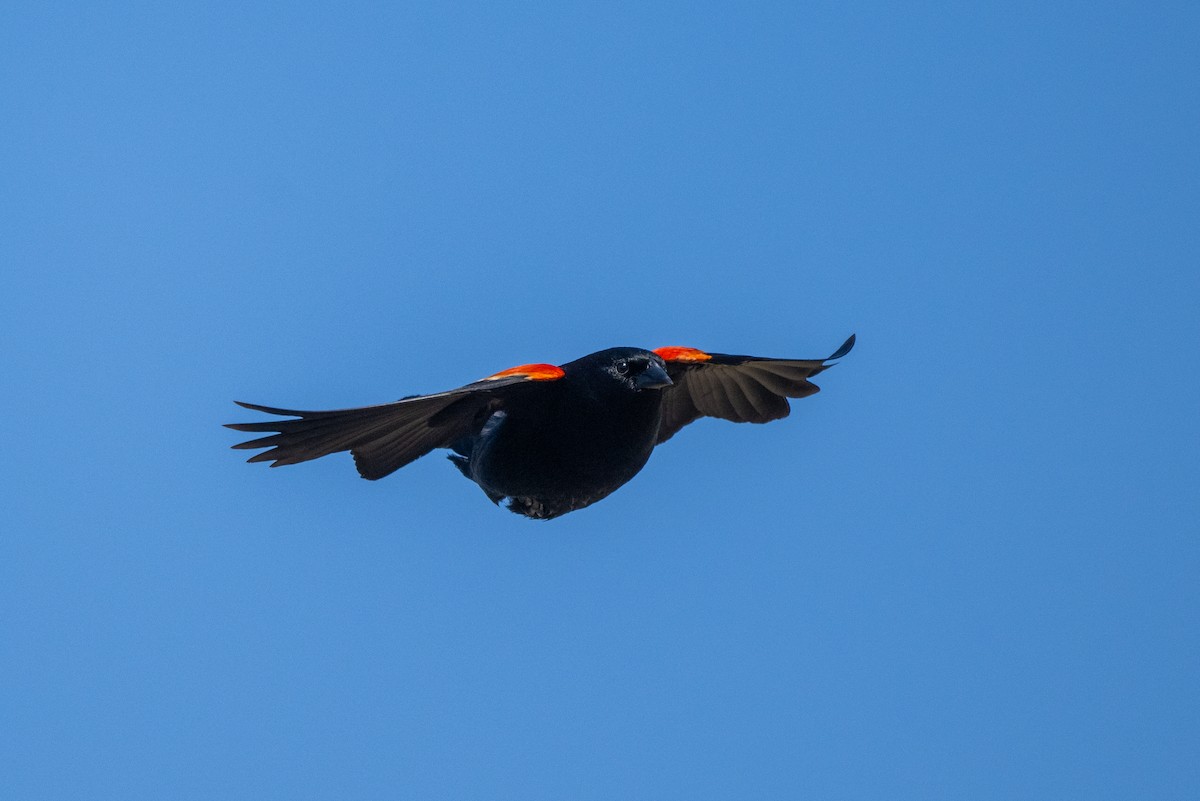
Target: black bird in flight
pixel 546 439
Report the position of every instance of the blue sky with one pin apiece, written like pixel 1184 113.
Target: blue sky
pixel 966 569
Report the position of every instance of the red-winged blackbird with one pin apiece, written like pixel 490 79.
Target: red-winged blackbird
pixel 548 439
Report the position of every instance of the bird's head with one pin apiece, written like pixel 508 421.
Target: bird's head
pixel 634 368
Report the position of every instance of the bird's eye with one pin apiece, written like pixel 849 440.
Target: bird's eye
pixel 623 367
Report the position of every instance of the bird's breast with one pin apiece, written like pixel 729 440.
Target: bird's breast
pixel 565 449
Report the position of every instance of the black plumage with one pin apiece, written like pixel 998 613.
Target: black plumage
pixel 548 440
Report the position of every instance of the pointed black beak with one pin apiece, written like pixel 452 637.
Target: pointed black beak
pixel 653 377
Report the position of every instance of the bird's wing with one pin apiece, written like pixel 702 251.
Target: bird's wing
pixel 384 438
pixel 744 389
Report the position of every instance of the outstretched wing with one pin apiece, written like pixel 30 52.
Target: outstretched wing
pixel 744 389
pixel 384 438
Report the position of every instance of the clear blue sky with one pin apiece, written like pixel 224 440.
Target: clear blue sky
pixel 968 569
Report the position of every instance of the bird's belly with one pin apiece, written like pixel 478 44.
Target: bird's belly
pixel 578 464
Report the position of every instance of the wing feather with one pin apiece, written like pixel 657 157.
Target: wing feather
pixel 744 389
pixel 740 397
pixel 385 437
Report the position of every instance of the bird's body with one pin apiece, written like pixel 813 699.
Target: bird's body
pixel 579 439
pixel 546 439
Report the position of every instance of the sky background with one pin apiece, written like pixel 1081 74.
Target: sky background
pixel 968 569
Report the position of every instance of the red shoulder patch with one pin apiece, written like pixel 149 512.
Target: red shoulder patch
pixel 682 355
pixel 530 372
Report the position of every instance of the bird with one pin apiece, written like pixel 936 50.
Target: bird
pixel 544 440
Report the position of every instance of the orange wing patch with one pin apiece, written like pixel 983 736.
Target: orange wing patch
pixel 530 372
pixel 682 355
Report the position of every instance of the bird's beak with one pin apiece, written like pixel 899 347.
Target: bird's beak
pixel 653 377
